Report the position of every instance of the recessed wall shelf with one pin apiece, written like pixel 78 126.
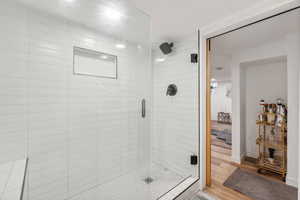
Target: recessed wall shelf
pixel 94 63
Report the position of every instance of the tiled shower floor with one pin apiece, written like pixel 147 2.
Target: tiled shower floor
pixel 133 187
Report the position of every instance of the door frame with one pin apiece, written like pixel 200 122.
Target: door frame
pixel 251 16
pixel 208 112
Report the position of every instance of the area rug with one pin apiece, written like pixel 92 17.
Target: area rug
pixel 224 135
pixel 260 188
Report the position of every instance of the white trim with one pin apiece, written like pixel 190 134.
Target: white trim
pixel 236 159
pixel 291 181
pixel 299 150
pixel 259 11
pixel 184 190
pixel 190 192
pixel 202 108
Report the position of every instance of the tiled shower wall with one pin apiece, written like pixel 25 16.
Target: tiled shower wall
pixel 175 126
pixel 77 131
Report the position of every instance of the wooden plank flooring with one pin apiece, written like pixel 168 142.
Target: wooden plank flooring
pixel 222 168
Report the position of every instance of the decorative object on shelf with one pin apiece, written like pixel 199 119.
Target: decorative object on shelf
pixel 272 138
pixel 271 113
pixel 271 154
pixel 262 102
pixel 262 117
pixel 264 106
pixel 272 131
pixel 281 112
pixel 224 118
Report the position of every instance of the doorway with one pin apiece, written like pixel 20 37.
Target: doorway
pixel 255 59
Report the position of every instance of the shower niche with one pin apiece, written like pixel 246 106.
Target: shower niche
pixel 94 63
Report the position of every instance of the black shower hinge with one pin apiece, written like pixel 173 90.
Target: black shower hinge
pixel 194 160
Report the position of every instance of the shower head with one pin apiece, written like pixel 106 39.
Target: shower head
pixel 166 48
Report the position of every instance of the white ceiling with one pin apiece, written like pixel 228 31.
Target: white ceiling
pixel 174 20
pixel 115 18
pixel 267 31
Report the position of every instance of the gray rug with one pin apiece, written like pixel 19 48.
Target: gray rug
pixel 224 135
pixel 260 188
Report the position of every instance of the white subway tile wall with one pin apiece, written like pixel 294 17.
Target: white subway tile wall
pixel 12 176
pixel 175 126
pixel 84 136
pixel 78 132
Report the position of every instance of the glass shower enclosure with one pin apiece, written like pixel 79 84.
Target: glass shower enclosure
pixel 83 98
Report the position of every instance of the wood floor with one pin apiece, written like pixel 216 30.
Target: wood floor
pixel 223 167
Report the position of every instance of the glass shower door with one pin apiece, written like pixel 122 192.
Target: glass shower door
pixel 89 103
pixel 175 123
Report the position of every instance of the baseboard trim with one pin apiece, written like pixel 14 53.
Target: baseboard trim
pixel 252 160
pixel 292 182
pixel 236 160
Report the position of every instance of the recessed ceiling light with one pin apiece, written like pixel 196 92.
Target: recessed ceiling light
pixel 112 14
pixel 120 46
pixel 69 1
pixel 213 83
pixel 89 40
pixel 160 59
pixel 104 57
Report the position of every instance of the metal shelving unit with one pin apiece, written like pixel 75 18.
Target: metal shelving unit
pixel 272 139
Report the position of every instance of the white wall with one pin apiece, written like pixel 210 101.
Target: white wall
pixel 175 129
pixel 265 51
pixel 220 59
pixel 288 47
pixel 258 87
pixel 77 131
pixel 220 102
pixel 243 113
pixel 293 63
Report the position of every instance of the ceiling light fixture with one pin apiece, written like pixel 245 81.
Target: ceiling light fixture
pixel 104 57
pixel 112 14
pixel 160 59
pixel 213 84
pixel 89 40
pixel 120 46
